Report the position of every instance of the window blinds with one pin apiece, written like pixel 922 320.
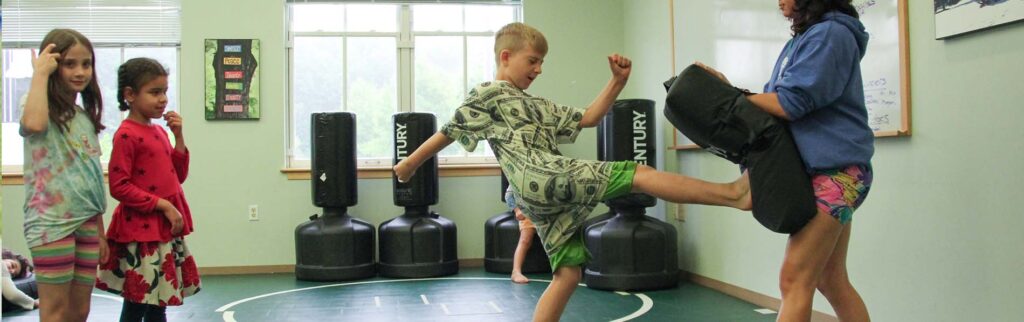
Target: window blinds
pixel 110 22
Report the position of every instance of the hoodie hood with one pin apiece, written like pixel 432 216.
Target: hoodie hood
pixel 853 25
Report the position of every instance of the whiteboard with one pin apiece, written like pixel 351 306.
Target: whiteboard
pixel 743 38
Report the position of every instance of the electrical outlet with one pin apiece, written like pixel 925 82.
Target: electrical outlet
pixel 254 213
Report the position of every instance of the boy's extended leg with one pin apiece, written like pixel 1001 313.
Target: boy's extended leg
pixel 554 299
pixel 683 189
pixel 525 241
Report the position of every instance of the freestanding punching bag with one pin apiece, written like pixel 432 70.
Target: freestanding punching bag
pixel 631 251
pixel 335 246
pixel 419 243
pixel 501 237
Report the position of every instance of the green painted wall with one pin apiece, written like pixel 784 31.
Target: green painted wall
pixel 938 239
pixel 238 163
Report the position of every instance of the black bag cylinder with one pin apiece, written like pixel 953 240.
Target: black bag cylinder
pixel 333 158
pixel 410 131
pixel 627 134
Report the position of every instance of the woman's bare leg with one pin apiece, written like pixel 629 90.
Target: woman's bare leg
pixel 806 255
pixel 835 283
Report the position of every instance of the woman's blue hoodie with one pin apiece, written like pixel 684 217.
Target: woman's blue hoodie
pixel 818 82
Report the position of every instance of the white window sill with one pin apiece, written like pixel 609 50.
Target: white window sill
pixel 453 170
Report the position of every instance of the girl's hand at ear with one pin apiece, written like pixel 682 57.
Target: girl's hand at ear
pixel 46 62
pixel 174 122
pixel 620 66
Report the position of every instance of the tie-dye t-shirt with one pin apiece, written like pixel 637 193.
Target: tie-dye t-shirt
pixel 555 192
pixel 63 180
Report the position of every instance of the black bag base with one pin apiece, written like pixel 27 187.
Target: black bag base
pixel 631 252
pixel 419 243
pixel 419 270
pixel 501 238
pixel 335 274
pixel 334 247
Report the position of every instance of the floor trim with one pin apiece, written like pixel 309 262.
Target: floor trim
pixel 246 270
pixel 750 296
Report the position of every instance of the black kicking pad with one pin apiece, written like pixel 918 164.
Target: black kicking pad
pixel 719 118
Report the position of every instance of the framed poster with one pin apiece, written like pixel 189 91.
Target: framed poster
pixel 232 79
pixel 954 17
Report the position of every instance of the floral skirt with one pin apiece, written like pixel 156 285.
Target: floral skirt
pixel 150 272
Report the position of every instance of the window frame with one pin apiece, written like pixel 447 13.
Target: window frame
pixel 107 23
pixel 17 170
pixel 405 45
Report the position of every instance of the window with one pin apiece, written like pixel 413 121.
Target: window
pixel 119 30
pixel 376 59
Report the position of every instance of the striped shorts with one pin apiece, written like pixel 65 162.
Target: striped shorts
pixel 72 258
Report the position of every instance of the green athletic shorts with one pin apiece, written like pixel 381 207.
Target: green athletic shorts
pixel 575 253
pixel 621 181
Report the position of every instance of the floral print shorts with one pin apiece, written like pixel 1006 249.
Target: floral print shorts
pixel 839 192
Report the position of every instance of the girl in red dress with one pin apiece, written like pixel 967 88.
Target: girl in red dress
pixel 151 267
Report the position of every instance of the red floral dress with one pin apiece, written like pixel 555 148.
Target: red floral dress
pixel 150 272
pixel 149 265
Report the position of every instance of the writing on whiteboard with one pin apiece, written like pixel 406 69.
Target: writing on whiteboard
pixel 861 6
pixel 880 100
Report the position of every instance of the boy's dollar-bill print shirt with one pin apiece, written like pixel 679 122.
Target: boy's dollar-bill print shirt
pixel 557 193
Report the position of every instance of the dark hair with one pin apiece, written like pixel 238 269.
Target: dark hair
pixel 810 12
pixel 26 265
pixel 133 74
pixel 61 98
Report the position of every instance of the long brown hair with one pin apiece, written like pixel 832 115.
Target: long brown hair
pixel 60 97
pixel 810 12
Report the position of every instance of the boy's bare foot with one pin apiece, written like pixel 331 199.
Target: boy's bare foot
pixel 742 188
pixel 519 278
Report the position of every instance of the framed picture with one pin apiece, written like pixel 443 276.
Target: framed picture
pixel 954 17
pixel 232 79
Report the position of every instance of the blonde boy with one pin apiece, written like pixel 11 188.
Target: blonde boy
pixel 556 192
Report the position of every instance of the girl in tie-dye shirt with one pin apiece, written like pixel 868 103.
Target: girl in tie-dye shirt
pixel 64 194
